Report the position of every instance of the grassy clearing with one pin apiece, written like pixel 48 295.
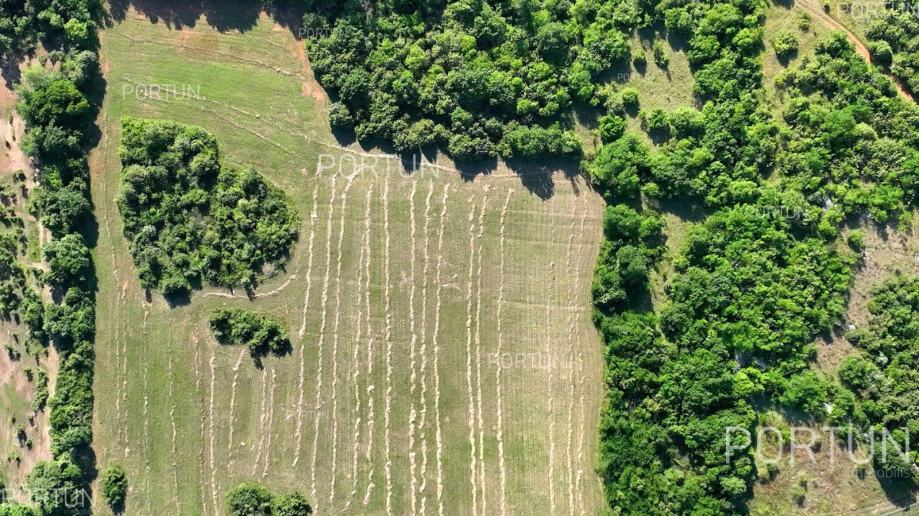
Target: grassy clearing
pixel 404 298
pixel 834 484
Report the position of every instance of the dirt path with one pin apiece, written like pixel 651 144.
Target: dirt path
pixel 814 9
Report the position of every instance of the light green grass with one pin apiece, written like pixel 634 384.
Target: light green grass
pixel 164 388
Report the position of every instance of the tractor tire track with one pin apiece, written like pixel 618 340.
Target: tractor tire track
pixel 335 335
pixel 298 431
pixel 317 405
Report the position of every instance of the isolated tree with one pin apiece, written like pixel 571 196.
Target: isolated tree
pixel 293 504
pixel 115 487
pixel 249 499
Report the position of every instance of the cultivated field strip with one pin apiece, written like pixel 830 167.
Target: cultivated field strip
pixel 443 361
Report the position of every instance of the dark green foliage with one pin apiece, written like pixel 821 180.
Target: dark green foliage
pixel 853 145
pixel 41 391
pixel 57 112
pixel 13 509
pixel 191 220
pixel 55 486
pixel 68 260
pixel 483 76
pixel 23 23
pixel 785 44
pixel 12 277
pixel 253 499
pixel 617 168
pixel 50 99
pixel 115 487
pixel 293 504
pixel 661 58
pixel 261 333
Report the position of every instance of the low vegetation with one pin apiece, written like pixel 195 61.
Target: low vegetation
pixel 191 220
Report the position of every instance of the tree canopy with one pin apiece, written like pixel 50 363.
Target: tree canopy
pixel 191 220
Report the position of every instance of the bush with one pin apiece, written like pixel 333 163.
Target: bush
pixel 115 487
pixel 261 333
pixel 293 504
pixel 249 499
pixel 785 44
pixel 611 128
pixel 629 97
pixel 661 57
pixel 253 499
pixel 881 53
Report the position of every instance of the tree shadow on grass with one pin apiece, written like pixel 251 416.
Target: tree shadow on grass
pixel 223 15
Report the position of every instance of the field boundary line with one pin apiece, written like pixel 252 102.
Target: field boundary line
pixel 270 420
pixel 580 363
pixel 230 445
pixel 478 349
pixel 424 351
pixel 412 355
pixel 363 272
pixel 371 417
pixel 387 465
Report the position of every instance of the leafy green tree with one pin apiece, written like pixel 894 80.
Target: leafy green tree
pixel 115 487
pixel 69 261
pixel 293 504
pixel 249 499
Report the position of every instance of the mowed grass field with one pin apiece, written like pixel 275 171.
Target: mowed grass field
pixel 444 360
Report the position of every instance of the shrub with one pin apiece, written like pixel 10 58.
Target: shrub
pixel 629 97
pixel 261 333
pixel 249 499
pixel 115 487
pixel 785 44
pixel 293 504
pixel 661 57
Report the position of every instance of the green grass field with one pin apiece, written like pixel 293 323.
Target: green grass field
pixel 444 358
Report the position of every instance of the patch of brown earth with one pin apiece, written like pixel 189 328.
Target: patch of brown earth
pixel 887 251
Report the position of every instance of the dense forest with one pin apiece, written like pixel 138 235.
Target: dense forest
pixel 752 286
pixel 191 220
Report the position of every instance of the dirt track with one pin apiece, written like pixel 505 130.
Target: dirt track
pixel 816 10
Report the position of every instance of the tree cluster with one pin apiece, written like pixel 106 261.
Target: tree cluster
pixel 881 387
pixel 55 104
pixel 253 499
pixel 477 78
pixel 852 144
pixel 191 220
pixel 259 332
pixel 24 23
pixel 894 43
